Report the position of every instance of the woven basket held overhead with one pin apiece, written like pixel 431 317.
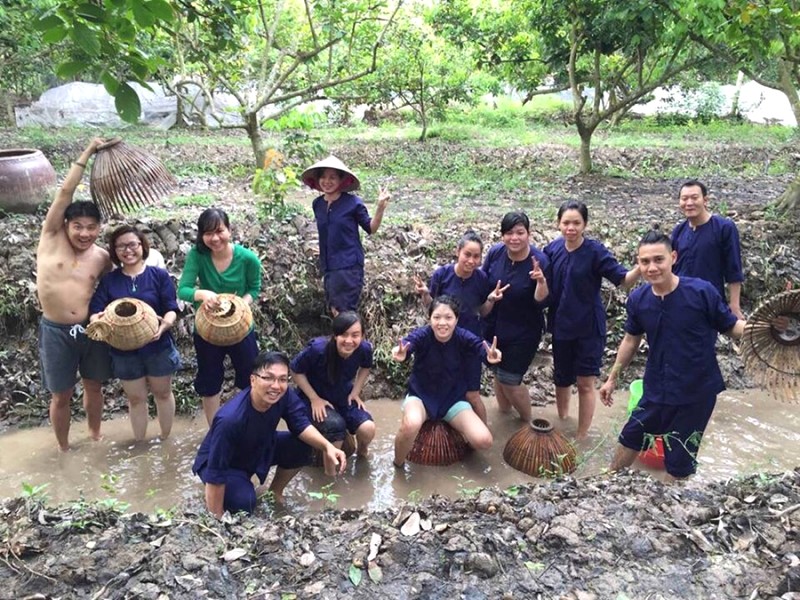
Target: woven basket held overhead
pixel 227 325
pixel 539 450
pixel 126 324
pixel 125 178
pixel 438 444
pixel 772 358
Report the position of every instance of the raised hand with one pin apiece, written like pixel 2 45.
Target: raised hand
pixel 497 293
pixel 536 274
pixel 419 286
pixel 383 197
pixel 493 355
pixel 400 351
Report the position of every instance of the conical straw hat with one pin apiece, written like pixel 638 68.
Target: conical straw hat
pixel 311 175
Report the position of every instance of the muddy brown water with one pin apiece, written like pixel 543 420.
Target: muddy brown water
pixel 749 432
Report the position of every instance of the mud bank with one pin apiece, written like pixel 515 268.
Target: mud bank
pixel 618 536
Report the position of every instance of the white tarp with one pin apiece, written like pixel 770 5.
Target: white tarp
pixel 89 104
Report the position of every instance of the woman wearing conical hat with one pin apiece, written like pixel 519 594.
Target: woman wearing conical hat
pixel 339 213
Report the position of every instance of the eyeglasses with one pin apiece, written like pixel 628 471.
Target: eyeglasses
pixel 270 379
pixel 128 246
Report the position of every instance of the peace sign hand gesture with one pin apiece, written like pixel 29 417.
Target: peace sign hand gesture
pixel 383 197
pixel 400 352
pixel 536 274
pixel 497 293
pixel 419 286
pixel 493 354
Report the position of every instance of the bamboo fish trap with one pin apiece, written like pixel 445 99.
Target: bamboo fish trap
pixel 227 325
pixel 771 357
pixel 126 324
pixel 124 178
pixel 438 444
pixel 539 450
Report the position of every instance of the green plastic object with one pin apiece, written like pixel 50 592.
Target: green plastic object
pixel 637 389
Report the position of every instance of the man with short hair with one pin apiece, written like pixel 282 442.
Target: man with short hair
pixel 681 317
pixel 708 245
pixel 68 266
pixel 243 440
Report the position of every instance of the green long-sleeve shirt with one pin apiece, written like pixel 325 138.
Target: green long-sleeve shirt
pixel 243 275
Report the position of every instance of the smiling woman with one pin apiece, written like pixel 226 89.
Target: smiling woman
pixel 150 367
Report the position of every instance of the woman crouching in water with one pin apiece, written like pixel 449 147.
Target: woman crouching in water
pixel 447 363
pixel 330 374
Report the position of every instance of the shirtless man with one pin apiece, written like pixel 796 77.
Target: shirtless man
pixel 68 266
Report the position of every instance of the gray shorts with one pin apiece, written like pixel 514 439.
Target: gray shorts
pixel 64 350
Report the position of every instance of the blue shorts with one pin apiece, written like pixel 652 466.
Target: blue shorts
pixel 459 407
pixel 240 495
pixel 681 428
pixel 577 358
pixel 332 427
pixel 64 350
pixel 211 368
pixel 516 360
pixel 354 416
pixel 135 366
pixel 343 288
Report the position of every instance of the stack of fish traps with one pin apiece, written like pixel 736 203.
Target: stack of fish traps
pixel 771 357
pixel 124 178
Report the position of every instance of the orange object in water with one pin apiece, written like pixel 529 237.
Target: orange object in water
pixel 653 457
pixel 438 444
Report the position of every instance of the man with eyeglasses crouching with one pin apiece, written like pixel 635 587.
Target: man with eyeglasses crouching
pixel 243 440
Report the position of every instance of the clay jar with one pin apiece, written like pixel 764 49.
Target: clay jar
pixel 27 179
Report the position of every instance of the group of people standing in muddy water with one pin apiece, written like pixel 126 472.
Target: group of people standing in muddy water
pixel 485 308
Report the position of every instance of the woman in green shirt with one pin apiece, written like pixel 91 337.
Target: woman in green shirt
pixel 217 266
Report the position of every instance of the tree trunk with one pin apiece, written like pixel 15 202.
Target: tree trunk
pixel 253 130
pixel 734 113
pixel 789 88
pixel 424 117
pixel 790 198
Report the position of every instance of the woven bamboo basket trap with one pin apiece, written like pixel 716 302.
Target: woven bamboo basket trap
pixel 539 450
pixel 438 444
pixel 771 357
pixel 126 324
pixel 228 324
pixel 125 178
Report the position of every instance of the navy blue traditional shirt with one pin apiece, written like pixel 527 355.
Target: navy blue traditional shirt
pixel 312 362
pixel 576 310
pixel 518 317
pixel 681 331
pixel 243 438
pixel 443 372
pixel 153 286
pixel 711 252
pixel 337 225
pixel 471 293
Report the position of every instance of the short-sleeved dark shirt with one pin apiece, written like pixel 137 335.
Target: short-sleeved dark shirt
pixel 576 310
pixel 518 317
pixel 711 252
pixel 681 330
pixel 471 293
